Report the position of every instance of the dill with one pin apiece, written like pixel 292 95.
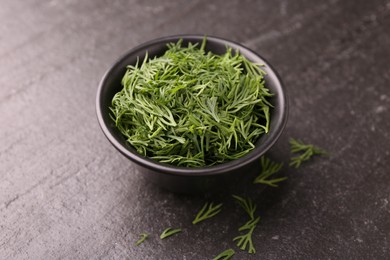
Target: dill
pixel 143 237
pixel 245 241
pixel 247 205
pixel 193 108
pixel 169 232
pixel 225 255
pixel 207 211
pixel 306 152
pixel 268 168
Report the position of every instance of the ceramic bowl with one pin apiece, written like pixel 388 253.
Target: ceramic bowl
pixel 184 179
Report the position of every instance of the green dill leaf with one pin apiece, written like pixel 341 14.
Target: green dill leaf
pixel 249 224
pixel 143 237
pixel 169 232
pixel 193 108
pixel 245 241
pixel 208 210
pixel 203 46
pixel 269 168
pixel 306 151
pixel 225 255
pixel 247 205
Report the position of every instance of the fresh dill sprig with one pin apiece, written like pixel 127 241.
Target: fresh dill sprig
pixel 193 108
pixel 268 168
pixel 209 210
pixel 143 237
pixel 245 241
pixel 247 205
pixel 225 255
pixel 169 232
pixel 249 224
pixel 306 152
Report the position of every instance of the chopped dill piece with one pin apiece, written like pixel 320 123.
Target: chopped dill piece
pixel 169 232
pixel 245 241
pixel 143 237
pixel 207 211
pixel 193 108
pixel 306 152
pixel 247 205
pixel 268 168
pixel 225 255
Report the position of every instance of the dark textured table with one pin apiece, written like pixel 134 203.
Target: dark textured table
pixel 65 193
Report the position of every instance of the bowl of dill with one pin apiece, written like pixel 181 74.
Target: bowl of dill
pixel 193 113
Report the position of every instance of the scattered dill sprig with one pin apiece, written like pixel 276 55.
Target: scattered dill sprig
pixel 143 237
pixel 268 168
pixel 169 232
pixel 249 224
pixel 247 205
pixel 306 152
pixel 193 108
pixel 208 211
pixel 225 255
pixel 245 241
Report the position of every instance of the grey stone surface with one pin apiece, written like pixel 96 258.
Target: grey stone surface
pixel 65 193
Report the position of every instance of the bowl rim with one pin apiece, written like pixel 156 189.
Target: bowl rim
pixel 218 169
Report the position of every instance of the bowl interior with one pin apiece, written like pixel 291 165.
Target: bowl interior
pixel 111 84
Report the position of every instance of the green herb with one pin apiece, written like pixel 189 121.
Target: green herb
pixel 208 211
pixel 143 237
pixel 249 224
pixel 225 255
pixel 247 205
pixel 169 232
pixel 268 168
pixel 306 152
pixel 245 241
pixel 193 108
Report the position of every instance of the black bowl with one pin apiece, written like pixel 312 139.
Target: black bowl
pixel 184 179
